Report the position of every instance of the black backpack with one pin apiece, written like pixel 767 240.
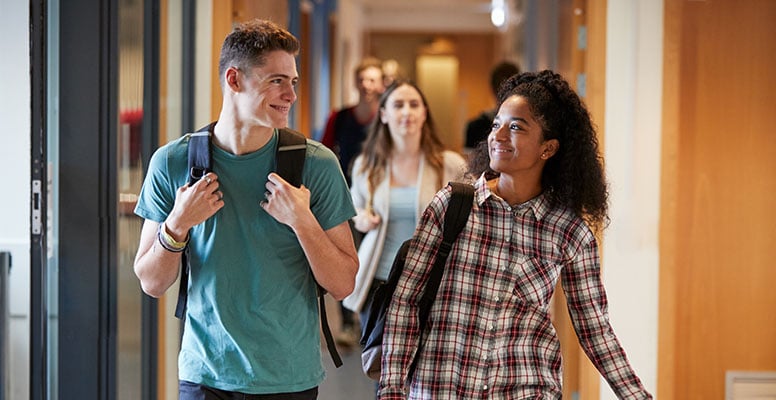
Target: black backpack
pixel 372 337
pixel 289 164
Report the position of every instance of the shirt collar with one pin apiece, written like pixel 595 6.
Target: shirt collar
pixel 539 205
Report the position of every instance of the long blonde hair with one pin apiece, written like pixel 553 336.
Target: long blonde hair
pixel 378 145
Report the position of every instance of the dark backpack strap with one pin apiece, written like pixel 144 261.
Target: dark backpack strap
pixel 335 357
pixel 290 155
pixel 200 160
pixel 289 164
pixel 183 286
pixel 456 216
pixel 200 163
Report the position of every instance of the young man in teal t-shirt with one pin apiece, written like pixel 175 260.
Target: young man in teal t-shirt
pixel 253 239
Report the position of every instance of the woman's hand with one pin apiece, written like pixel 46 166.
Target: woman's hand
pixel 366 220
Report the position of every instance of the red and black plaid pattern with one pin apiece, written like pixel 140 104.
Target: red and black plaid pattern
pixel 489 333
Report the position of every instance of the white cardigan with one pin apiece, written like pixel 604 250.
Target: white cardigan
pixel 372 245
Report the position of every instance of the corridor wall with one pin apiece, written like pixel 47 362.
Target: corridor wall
pixel 14 204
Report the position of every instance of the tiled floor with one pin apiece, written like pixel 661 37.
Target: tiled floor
pixel 348 381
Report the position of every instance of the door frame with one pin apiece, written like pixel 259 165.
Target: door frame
pixel 85 102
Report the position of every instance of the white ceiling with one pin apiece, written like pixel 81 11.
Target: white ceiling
pixel 428 15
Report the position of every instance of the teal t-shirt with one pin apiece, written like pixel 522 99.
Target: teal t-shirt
pixel 252 319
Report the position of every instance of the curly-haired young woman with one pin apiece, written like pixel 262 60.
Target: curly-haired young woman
pixel 540 196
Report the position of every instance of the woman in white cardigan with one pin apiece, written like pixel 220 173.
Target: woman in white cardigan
pixel 401 167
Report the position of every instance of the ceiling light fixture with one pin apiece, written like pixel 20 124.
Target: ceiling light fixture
pixel 498 13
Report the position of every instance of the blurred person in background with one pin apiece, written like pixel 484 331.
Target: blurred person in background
pixel 402 165
pixel 391 71
pixel 345 131
pixel 346 128
pixel 477 129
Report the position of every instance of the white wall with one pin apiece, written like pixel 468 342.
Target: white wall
pixel 634 60
pixel 349 51
pixel 204 73
pixel 15 115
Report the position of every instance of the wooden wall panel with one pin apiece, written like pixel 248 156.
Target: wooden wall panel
pixel 669 192
pixel 225 15
pixel 223 20
pixel 717 232
pixel 274 10
pixel 580 378
pixel 476 53
pixel 570 64
pixel 595 99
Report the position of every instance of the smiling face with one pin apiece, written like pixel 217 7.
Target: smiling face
pixel 404 113
pixel 369 83
pixel 516 144
pixel 268 91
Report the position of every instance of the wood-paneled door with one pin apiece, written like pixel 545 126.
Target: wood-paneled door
pixel 718 230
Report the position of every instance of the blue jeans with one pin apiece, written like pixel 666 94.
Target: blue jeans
pixel 195 391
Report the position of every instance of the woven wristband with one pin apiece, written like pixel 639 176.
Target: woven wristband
pixel 168 242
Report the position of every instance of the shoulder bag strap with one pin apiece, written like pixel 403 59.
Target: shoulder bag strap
pixel 200 163
pixel 289 164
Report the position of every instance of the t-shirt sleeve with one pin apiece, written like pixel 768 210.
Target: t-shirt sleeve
pixel 157 195
pixel 330 199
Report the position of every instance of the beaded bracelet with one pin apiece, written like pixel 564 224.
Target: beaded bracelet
pixel 168 242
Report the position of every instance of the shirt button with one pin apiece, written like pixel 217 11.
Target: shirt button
pixel 497 299
pixel 491 327
pixel 485 387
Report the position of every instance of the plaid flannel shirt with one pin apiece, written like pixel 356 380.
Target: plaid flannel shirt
pixel 489 333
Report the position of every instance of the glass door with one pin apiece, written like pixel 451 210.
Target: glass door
pixel 129 301
pixel 87 327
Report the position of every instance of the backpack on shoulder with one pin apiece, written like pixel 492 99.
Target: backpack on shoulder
pixel 456 216
pixel 289 164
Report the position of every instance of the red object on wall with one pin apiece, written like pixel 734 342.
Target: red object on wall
pixel 134 119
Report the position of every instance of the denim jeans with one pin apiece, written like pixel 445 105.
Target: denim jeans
pixel 195 391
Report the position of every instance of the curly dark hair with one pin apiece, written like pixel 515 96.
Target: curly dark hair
pixel 574 177
pixel 249 43
pixel 378 145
